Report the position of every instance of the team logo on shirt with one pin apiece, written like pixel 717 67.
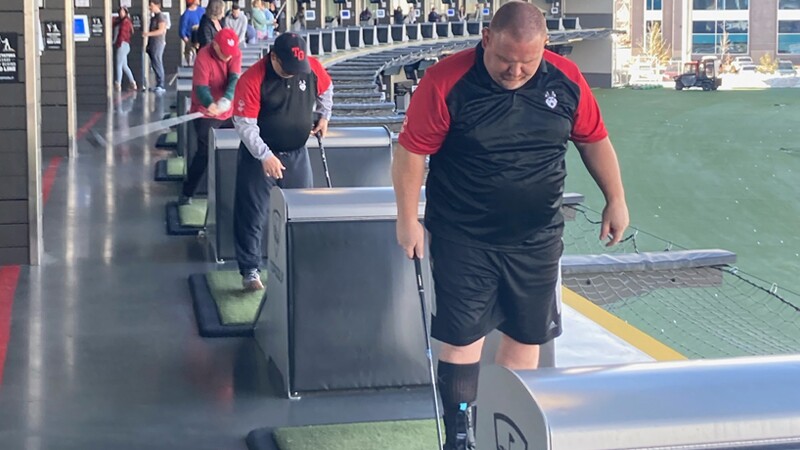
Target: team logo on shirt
pixel 303 85
pixel 241 106
pixel 550 99
pixel 231 43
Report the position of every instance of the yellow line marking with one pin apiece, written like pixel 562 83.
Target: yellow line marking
pixel 625 331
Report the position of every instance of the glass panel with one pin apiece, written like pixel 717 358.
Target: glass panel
pixel 704 4
pixel 704 26
pixel 703 43
pixel 789 26
pixel 789 4
pixel 733 4
pixel 789 44
pixel 737 26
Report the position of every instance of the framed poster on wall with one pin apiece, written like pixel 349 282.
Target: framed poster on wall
pixel 9 57
pixel 83 3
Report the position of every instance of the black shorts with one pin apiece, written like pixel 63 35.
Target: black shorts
pixel 478 290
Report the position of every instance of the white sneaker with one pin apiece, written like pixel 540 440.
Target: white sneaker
pixel 252 281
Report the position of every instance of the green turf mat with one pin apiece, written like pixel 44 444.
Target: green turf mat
pixel 400 435
pixel 172 138
pixel 194 215
pixel 175 166
pixel 233 304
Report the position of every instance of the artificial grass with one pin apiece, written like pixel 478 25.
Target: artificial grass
pixel 176 166
pixel 167 140
pixel 234 305
pixel 193 215
pixel 397 435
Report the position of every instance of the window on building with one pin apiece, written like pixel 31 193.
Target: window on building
pixel 789 4
pixel 722 5
pixel 653 5
pixel 789 37
pixel 708 36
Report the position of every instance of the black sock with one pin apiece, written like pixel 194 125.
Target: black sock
pixel 458 386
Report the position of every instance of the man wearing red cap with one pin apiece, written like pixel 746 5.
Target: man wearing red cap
pixel 216 72
pixel 274 113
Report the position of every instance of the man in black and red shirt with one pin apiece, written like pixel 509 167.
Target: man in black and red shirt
pixel 273 112
pixel 496 121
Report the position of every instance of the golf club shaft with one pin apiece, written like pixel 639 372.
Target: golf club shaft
pixel 324 159
pixel 428 351
pixel 154 127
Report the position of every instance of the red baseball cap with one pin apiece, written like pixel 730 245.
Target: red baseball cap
pixel 228 42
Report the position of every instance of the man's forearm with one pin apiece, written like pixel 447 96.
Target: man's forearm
pixel 250 135
pixel 408 171
pixel 601 161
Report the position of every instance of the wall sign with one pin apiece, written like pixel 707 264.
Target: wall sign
pixel 9 60
pixel 137 21
pixel 52 35
pixel 166 3
pixel 97 26
pixel 83 3
pixel 125 3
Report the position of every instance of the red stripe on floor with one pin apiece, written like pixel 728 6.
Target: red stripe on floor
pixel 82 131
pixel 49 177
pixel 9 276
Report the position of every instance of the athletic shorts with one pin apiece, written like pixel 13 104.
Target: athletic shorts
pixel 478 290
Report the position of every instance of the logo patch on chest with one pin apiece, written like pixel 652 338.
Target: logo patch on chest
pixel 550 99
pixel 303 85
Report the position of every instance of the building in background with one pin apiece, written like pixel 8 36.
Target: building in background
pixel 696 28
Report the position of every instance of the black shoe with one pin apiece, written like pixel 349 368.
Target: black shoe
pixel 460 428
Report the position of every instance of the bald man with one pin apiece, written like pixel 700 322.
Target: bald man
pixel 495 121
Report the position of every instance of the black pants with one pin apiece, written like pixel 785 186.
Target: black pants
pixel 251 204
pixel 199 163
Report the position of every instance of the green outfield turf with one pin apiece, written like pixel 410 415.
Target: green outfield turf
pixel 710 169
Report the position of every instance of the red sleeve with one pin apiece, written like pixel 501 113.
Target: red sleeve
pixel 427 120
pixel 588 124
pixel 200 71
pixel 323 78
pixel 235 64
pixel 247 99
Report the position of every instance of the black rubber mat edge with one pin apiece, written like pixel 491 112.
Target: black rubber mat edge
pixel 161 142
pixel 161 172
pixel 174 227
pixel 209 323
pixel 261 439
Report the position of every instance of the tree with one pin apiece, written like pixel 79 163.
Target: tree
pixel 655 46
pixel 725 52
pixel 767 64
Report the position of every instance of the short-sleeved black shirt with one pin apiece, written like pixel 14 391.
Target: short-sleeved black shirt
pixel 497 165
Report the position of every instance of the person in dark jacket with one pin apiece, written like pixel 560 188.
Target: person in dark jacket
pixel 398 16
pixel 211 23
pixel 365 16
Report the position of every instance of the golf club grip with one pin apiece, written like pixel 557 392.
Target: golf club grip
pixel 418 268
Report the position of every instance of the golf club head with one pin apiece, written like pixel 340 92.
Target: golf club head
pixel 96 140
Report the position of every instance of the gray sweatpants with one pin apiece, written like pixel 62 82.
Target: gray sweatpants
pixel 251 204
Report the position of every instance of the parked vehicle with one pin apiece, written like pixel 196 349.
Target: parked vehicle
pixel 702 74
pixel 786 68
pixel 744 64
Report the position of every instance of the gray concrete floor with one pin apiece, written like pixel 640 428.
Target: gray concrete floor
pixel 104 351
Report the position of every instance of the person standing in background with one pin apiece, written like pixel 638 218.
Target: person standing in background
pixel 412 14
pixel 123 30
pixel 259 20
pixel 272 19
pixel 213 21
pixel 190 21
pixel 156 42
pixel 237 22
pixel 365 16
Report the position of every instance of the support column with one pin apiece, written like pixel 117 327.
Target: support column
pixel 93 57
pixel 20 154
pixel 58 79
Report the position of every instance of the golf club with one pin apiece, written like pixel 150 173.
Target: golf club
pixel 324 158
pixel 318 135
pixel 97 140
pixel 429 353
